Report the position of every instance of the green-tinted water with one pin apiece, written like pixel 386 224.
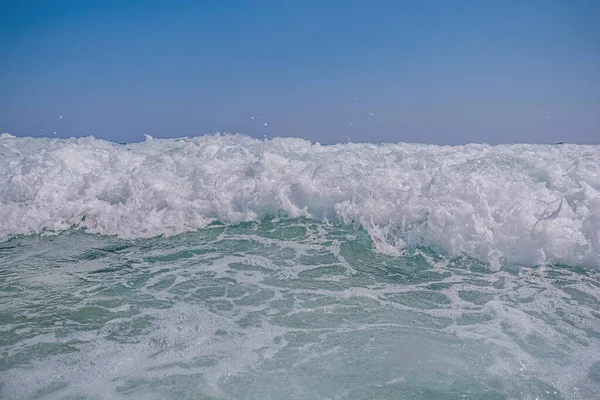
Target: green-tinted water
pixel 287 309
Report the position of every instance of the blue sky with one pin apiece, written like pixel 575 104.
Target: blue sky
pixel 447 72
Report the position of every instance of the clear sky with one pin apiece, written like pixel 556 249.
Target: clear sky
pixel 445 72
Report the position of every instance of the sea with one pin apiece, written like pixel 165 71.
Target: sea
pixel 229 267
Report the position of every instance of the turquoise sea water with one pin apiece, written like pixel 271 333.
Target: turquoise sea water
pixel 226 267
pixel 287 308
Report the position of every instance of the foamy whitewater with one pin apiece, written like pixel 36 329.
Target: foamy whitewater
pixel 523 204
pixel 226 267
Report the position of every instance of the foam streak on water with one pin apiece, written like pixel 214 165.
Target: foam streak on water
pixel 287 308
pixel 517 204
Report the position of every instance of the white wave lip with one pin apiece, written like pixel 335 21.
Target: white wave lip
pixel 517 204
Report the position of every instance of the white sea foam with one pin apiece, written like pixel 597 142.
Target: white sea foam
pixel 526 204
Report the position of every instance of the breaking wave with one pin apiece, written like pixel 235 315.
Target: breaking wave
pixel 515 204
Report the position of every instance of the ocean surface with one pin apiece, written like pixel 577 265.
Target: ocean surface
pixel 226 267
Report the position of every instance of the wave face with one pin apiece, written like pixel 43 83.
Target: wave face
pixel 506 204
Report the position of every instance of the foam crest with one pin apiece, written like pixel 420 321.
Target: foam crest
pixel 525 204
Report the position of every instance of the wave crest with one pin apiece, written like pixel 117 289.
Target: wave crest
pixel 524 204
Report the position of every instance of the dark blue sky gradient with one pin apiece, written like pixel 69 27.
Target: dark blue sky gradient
pixel 444 72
